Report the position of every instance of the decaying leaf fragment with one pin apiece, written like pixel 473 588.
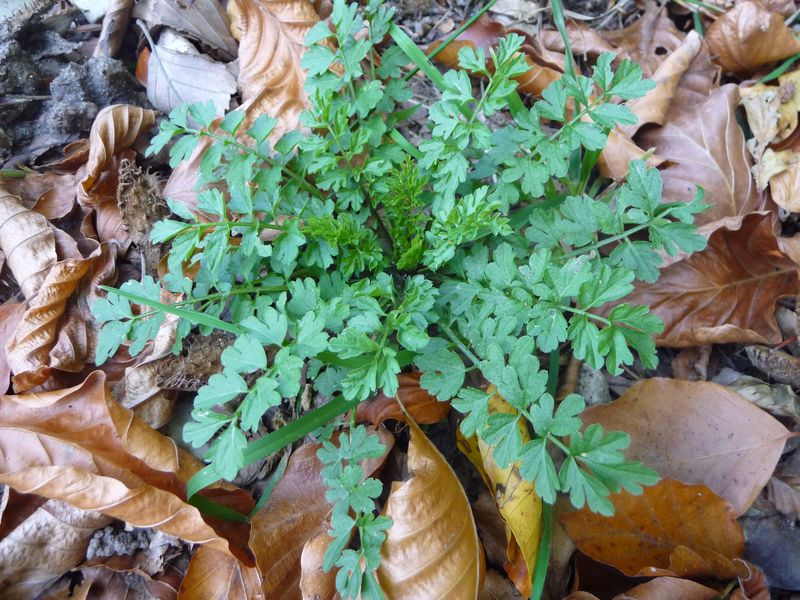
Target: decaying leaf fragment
pixel 672 529
pixel 699 433
pixel 727 292
pixel 749 36
pixel 432 549
pixel 218 575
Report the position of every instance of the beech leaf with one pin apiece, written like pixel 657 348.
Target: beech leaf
pixel 697 432
pixel 672 529
pixel 214 573
pixel 432 548
pixel 424 408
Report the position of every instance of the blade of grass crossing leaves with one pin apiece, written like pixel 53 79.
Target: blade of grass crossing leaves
pixel 413 52
pixel 209 507
pixel 275 441
pixel 558 19
pixel 405 144
pixel 780 69
pixel 543 555
pixel 198 318
pixel 271 483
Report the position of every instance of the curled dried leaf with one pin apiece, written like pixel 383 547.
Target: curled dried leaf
pixel 27 241
pixel 749 36
pixel 214 573
pixel 432 548
pixel 422 406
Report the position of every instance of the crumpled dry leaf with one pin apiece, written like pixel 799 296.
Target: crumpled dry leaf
pixel 705 146
pixel 175 77
pixel 50 193
pixel 204 20
pixel 432 548
pixel 749 36
pixel 517 502
pixel 424 408
pixel 214 574
pixel 727 292
pixel 672 529
pixel 752 587
pixel 27 241
pixel 614 160
pixel 785 495
pixel 115 129
pixel 697 432
pixel 583 39
pixel 270 76
pixel 30 561
pixel 115 26
pixel 777 399
pixel 78 445
pixel 649 40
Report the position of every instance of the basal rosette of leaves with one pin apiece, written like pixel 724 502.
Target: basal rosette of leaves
pixel 343 254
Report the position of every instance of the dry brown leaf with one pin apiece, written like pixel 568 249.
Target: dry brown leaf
pixel 654 106
pixel 27 241
pixel 726 293
pixel 30 560
pixel 669 588
pixel 752 587
pixel 115 26
pixel 432 548
pixel 672 529
pixel 697 432
pixel 115 129
pixel 774 163
pixel 649 40
pixel 705 146
pixel 422 406
pixel 785 495
pixel 214 574
pixel 51 194
pixel 583 39
pixel 280 531
pixel 204 20
pixel 271 45
pixel 315 583
pixel 80 446
pixel 749 36
pixel 620 150
pixel 485 33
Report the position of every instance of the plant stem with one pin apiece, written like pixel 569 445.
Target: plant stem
pixel 585 313
pixel 543 555
pixel 460 345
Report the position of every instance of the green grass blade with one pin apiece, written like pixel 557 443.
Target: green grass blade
pixel 413 52
pixel 271 483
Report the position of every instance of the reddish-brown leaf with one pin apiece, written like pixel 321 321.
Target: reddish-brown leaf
pixel 749 36
pixel 726 293
pixel 698 432
pixel 669 588
pixel 672 529
pixel 423 408
pixel 706 146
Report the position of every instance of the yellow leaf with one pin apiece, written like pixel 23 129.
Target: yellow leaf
pixel 432 548
pixel 516 499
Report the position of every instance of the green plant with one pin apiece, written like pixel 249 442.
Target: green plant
pixel 344 255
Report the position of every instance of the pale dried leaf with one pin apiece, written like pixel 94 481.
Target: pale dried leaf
pixel 697 432
pixel 202 19
pixel 614 160
pixel 761 104
pixel 432 548
pixel 27 241
pixel 115 26
pixel 777 399
pixel 749 36
pixel 51 541
pixel 669 588
pixel 705 146
pixel 174 78
pixel 785 185
pixel 214 574
pixel 771 164
pixel 10 314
